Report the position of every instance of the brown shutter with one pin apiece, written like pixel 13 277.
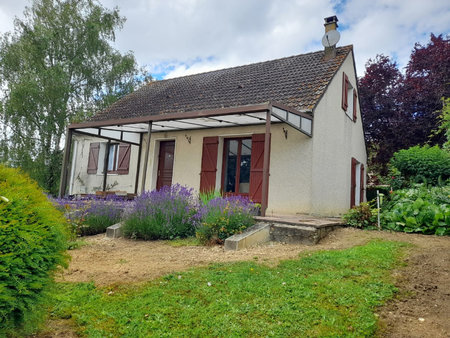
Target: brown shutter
pixel 353 183
pixel 209 164
pixel 361 185
pixel 94 148
pixel 256 168
pixel 344 91
pixel 355 99
pixel 123 163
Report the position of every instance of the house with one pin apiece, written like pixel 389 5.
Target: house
pixel 286 132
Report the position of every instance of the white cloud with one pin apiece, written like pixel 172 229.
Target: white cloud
pixel 179 37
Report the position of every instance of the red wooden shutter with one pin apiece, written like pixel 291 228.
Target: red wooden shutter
pixel 256 168
pixel 123 163
pixel 209 164
pixel 361 185
pixel 344 91
pixel 94 148
pixel 353 183
pixel 355 99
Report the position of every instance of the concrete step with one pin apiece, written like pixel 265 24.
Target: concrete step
pixel 256 234
pixel 114 231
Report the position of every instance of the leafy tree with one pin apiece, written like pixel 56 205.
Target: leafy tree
pixel 58 66
pixel 382 112
pixel 401 111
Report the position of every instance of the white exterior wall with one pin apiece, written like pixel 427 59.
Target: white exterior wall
pixel 80 182
pixel 336 139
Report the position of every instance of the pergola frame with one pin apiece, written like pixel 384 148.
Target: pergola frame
pixel 131 130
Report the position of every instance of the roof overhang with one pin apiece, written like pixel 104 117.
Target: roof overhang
pixel 129 130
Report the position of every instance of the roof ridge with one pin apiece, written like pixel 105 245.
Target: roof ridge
pixel 246 65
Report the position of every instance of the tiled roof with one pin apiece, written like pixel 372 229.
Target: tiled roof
pixel 297 81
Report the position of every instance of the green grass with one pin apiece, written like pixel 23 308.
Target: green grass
pixel 329 293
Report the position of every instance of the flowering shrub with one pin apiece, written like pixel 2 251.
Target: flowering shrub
pixel 165 214
pixel 361 216
pixel 92 215
pixel 224 217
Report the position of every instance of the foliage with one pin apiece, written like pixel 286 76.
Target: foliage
pixel 92 215
pixel 362 216
pixel 444 125
pixel 56 67
pixel 205 197
pixel 393 104
pixel 323 294
pixel 224 217
pixel 32 244
pixel 165 214
pixel 422 164
pixel 421 209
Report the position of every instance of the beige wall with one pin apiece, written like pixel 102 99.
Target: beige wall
pixel 80 182
pixel 290 163
pixel 336 139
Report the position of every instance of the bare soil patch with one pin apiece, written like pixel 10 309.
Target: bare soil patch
pixel 421 309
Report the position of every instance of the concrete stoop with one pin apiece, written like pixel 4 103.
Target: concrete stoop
pixel 307 232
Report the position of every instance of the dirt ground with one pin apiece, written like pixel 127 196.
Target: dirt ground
pixel 422 307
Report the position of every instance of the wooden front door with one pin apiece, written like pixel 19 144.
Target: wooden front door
pixel 165 164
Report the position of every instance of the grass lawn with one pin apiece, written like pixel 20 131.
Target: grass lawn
pixel 329 293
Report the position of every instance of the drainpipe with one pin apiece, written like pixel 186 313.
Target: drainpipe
pixel 265 181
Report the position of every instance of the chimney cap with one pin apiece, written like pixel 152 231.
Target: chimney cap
pixel 331 19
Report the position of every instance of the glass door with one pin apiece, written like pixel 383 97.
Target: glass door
pixel 236 167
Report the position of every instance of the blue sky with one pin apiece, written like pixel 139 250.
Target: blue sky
pixel 178 37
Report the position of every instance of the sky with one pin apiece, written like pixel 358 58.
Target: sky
pixel 179 37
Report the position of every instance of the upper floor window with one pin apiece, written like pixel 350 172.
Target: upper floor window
pixel 349 98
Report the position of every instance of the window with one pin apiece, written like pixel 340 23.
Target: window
pixel 118 156
pixel 349 98
pixel 113 158
pixel 236 167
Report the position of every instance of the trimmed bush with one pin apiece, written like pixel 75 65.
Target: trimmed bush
pixel 421 209
pixel 33 238
pixel 224 217
pixel 422 164
pixel 165 214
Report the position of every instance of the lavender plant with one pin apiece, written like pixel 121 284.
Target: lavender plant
pixel 92 215
pixel 222 217
pixel 165 214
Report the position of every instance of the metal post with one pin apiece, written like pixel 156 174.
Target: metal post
pixel 265 181
pixel 105 165
pixel 63 180
pixel 138 169
pixel 147 151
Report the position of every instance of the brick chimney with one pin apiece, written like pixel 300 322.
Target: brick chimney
pixel 330 25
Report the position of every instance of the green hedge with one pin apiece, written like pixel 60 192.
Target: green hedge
pixel 33 238
pixel 422 164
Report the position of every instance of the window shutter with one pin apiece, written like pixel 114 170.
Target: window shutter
pixel 123 163
pixel 209 164
pixel 344 91
pixel 94 148
pixel 361 185
pixel 355 99
pixel 256 168
pixel 353 183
